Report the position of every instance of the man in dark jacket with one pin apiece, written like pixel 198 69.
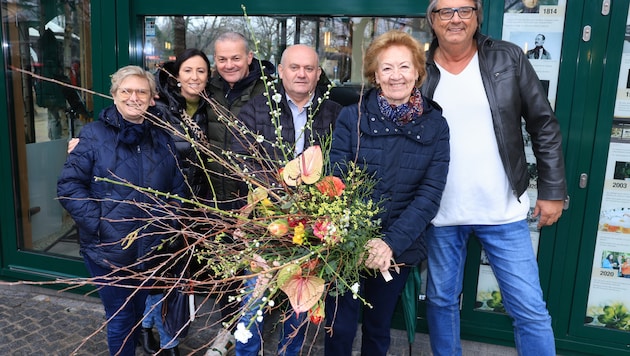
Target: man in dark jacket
pixel 305 117
pixel 238 77
pixel 486 88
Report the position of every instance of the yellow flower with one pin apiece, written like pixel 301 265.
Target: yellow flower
pixel 298 234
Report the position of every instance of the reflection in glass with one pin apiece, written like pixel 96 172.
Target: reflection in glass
pixel 339 41
pixel 48 41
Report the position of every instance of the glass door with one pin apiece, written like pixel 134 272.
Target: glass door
pixel 601 298
pixel 48 53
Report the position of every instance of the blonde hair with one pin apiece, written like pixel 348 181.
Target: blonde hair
pixel 387 40
pixel 127 71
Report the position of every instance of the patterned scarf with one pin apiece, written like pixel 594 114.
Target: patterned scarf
pixel 401 114
pixel 198 134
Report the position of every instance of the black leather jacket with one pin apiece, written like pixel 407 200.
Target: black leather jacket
pixel 514 91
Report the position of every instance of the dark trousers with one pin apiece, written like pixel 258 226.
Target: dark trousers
pixel 342 315
pixel 121 338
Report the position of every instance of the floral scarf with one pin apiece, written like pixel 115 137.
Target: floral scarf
pixel 401 114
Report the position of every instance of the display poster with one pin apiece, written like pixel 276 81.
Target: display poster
pixel 609 290
pixel 536 26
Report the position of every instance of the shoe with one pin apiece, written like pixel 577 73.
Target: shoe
pixel 148 341
pixel 170 352
pixel 223 344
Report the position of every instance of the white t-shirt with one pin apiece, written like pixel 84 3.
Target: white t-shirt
pixel 477 188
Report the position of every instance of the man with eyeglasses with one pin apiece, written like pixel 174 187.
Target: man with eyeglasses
pixel 485 86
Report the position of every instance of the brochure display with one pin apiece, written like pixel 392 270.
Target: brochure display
pixel 609 290
pixel 537 27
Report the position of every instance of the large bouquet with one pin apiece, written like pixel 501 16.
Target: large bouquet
pixel 302 230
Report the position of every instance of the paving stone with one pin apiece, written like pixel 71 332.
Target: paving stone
pixel 42 321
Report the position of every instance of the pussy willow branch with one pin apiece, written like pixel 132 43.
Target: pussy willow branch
pixel 32 74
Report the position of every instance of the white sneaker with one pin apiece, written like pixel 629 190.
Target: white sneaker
pixel 223 344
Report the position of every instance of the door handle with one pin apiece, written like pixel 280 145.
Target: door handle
pixel 605 7
pixel 583 180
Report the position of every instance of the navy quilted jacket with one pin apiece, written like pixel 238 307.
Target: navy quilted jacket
pixel 100 209
pixel 409 162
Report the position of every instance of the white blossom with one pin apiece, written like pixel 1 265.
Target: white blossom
pixel 241 334
pixel 277 97
pixel 260 138
pixel 355 288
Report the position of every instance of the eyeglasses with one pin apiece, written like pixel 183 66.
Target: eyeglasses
pixel 126 93
pixel 447 13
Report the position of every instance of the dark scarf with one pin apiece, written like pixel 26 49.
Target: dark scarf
pixel 404 113
pixel 132 134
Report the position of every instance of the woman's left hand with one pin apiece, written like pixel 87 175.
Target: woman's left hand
pixel 379 255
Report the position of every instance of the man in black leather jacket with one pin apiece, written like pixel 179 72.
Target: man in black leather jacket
pixel 487 88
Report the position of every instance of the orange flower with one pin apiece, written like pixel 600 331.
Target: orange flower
pixel 331 186
pixel 278 227
pixel 316 313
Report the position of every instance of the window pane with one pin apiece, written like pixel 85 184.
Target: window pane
pixel 49 40
pixel 340 41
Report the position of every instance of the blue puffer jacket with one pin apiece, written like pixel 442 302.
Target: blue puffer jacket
pixel 410 163
pixel 100 209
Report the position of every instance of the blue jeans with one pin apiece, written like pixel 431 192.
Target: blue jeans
pixel 342 315
pixel 153 317
pixel 287 346
pixel 509 250
pixel 121 336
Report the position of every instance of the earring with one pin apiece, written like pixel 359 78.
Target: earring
pixel 179 85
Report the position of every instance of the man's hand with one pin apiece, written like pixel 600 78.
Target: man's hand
pixel 549 211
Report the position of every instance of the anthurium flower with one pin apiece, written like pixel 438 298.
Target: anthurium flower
pixel 306 168
pixel 278 227
pixel 316 313
pixel 287 272
pixel 303 292
pixel 331 186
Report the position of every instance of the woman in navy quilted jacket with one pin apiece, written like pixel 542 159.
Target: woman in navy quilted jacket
pixel 401 137
pixel 123 145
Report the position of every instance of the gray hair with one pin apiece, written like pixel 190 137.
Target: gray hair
pixel 128 71
pixel 234 37
pixel 433 5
